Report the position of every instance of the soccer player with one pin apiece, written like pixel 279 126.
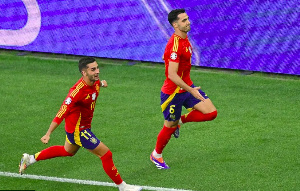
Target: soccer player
pixel 178 89
pixel 77 110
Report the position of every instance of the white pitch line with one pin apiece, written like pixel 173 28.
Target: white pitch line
pixel 77 181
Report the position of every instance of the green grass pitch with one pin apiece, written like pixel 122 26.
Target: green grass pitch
pixel 253 144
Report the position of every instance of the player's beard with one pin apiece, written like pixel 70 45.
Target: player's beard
pixel 93 78
pixel 185 29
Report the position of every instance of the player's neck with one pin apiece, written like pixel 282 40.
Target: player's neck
pixel 181 34
pixel 88 81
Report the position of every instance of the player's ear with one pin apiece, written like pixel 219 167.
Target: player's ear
pixel 175 24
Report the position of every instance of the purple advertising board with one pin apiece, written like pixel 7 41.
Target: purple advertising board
pixel 245 35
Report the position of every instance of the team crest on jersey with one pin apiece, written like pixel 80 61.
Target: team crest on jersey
pixel 97 88
pixel 173 56
pixel 93 140
pixel 93 96
pixel 68 101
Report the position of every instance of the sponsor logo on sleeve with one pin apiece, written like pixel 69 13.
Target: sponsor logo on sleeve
pixel 68 101
pixel 173 56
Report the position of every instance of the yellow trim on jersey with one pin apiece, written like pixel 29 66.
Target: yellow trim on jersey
pixel 77 132
pixel 176 44
pixel 61 111
pixel 63 108
pixel 170 98
pixel 78 87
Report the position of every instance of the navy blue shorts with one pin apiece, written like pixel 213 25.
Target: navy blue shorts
pixel 84 138
pixel 171 105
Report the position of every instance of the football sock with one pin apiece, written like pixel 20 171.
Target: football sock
pixel 52 152
pixel 180 122
pixel 31 160
pixel 156 155
pixel 163 138
pixel 197 116
pixel 110 168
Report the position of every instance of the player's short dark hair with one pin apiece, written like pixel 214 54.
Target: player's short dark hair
pixel 85 61
pixel 173 15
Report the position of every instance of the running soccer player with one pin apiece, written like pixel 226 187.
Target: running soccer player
pixel 178 89
pixel 77 110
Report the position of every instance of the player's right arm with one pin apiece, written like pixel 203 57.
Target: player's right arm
pixel 45 139
pixel 64 109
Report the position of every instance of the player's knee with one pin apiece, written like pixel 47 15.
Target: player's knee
pixel 68 154
pixel 108 154
pixel 213 115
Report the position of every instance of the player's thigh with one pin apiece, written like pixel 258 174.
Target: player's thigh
pixel 100 150
pixel 171 107
pixel 71 148
pixel 85 138
pixel 171 124
pixel 205 106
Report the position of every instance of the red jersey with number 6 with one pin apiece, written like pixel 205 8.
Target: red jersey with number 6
pixel 78 107
pixel 177 50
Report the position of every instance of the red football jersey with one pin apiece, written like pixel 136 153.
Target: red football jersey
pixel 78 107
pixel 177 50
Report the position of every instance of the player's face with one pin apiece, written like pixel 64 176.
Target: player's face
pixel 183 23
pixel 92 71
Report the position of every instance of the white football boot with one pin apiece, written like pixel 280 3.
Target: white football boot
pixel 24 163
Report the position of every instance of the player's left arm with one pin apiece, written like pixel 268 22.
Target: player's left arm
pixel 63 111
pixel 173 76
pixel 103 83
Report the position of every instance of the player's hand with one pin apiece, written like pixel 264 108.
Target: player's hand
pixel 45 139
pixel 196 93
pixel 103 83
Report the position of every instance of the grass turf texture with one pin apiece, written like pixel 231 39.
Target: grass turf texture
pixel 253 144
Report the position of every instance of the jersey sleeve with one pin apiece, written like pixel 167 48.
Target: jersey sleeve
pixel 174 51
pixel 68 104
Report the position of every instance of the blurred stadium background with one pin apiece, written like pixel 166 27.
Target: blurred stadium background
pixel 246 35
